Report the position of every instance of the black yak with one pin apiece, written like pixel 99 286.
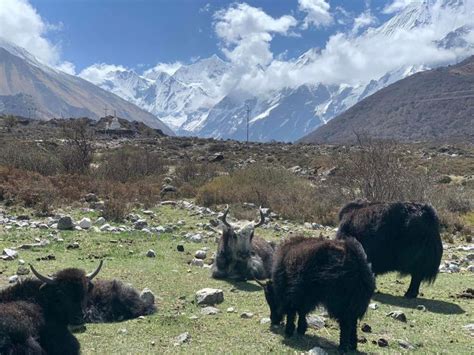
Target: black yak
pixel 241 255
pixel 112 301
pixel 398 236
pixel 57 308
pixel 308 272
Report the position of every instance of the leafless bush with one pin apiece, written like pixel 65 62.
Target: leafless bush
pixel 378 170
pixel 277 188
pixel 34 157
pixel 131 163
pixel 77 152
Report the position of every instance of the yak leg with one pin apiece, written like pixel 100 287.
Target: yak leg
pixel 414 288
pixel 302 323
pixel 290 322
pixel 345 335
pixel 353 335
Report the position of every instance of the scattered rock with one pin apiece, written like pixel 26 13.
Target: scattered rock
pixel 209 311
pixel 13 279
pixel 373 306
pixel 200 254
pixel 209 296
pixel 420 307
pixel 405 344
pixel 9 254
pixel 383 343
pixel 246 315
pixel 22 270
pixel 122 331
pixel 469 327
pixel 65 223
pixel 90 197
pixel 147 296
pixel 85 223
pixel 140 224
pixel 398 315
pixel 362 340
pixel 317 351
pixel 316 322
pixel 366 328
pixel 230 310
pixel 197 262
pixel 74 245
pixel 100 221
pixel 265 320
pixel 182 338
pixel 151 253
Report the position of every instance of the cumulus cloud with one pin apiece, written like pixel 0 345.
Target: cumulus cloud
pixel 317 13
pixel 355 59
pixel 398 5
pixel 101 72
pixel 21 24
pixel 168 68
pixel 364 20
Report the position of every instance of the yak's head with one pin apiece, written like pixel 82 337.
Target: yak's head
pixel 64 295
pixel 237 239
pixel 276 312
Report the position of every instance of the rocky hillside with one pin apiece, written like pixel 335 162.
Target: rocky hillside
pixel 432 105
pixel 31 89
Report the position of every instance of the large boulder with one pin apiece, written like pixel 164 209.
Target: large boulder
pixel 209 297
pixel 65 223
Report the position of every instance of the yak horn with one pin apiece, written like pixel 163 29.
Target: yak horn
pixel 45 279
pixel 94 274
pixel 224 217
pixel 262 218
pixel 263 284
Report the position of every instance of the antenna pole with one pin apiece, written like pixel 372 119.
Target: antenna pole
pixel 248 116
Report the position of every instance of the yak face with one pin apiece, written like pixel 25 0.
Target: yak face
pixel 276 313
pixel 238 241
pixel 65 296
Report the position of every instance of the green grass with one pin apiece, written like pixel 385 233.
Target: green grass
pixel 174 282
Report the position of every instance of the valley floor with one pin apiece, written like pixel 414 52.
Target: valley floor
pixel 438 329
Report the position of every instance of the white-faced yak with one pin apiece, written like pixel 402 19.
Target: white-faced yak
pixel 308 272
pixel 52 307
pixel 400 236
pixel 240 254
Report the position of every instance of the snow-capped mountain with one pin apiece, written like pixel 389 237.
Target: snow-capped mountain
pixel 200 99
pixel 29 87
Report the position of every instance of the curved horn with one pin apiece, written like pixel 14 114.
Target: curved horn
pixel 94 274
pixel 45 279
pixel 262 284
pixel 224 216
pixel 262 218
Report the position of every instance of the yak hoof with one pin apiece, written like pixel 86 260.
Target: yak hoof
pixel 410 294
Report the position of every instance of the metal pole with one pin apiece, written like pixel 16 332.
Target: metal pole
pixel 248 115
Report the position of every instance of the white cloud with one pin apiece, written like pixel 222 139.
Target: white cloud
pixel 351 58
pixel 168 68
pixel 21 25
pixel 364 20
pixel 398 5
pixel 99 73
pixel 67 67
pixel 318 13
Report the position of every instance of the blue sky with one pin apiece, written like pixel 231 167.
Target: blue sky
pixel 140 33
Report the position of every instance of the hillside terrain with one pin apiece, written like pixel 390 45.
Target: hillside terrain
pixel 433 105
pixel 31 89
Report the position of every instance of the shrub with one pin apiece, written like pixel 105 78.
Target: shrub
pixel 77 152
pixel 115 209
pixel 290 196
pixel 130 164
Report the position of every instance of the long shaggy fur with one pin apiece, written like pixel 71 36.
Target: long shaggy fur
pixel 51 309
pixel 113 301
pixel 308 272
pixel 399 236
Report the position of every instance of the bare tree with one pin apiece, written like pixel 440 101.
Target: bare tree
pixel 380 170
pixel 78 145
pixel 10 121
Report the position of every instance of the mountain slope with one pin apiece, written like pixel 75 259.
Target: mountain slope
pixel 432 105
pixel 52 93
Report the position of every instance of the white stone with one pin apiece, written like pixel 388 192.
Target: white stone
pixel 85 223
pixel 200 254
pixel 209 296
